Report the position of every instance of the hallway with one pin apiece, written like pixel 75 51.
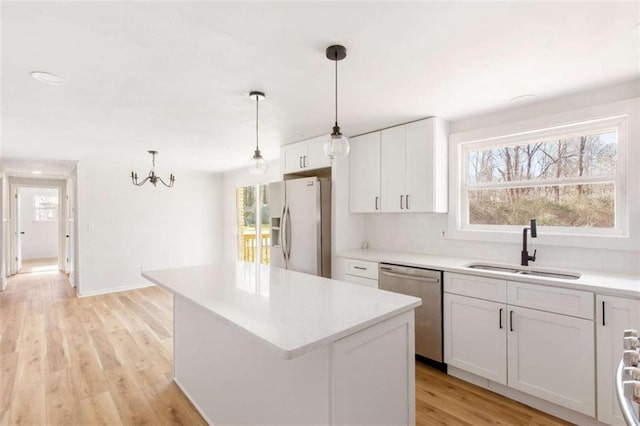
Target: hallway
pixel 100 360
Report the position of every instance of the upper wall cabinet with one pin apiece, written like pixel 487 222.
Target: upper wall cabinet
pixel 409 173
pixel 364 172
pixel 304 155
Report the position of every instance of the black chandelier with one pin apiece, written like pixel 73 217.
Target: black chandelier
pixel 151 177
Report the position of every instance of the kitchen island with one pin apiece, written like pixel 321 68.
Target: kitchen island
pixel 260 345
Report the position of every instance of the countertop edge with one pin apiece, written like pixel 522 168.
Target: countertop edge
pixel 407 258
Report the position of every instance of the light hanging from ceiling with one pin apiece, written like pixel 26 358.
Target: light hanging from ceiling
pixel 151 177
pixel 337 145
pixel 257 164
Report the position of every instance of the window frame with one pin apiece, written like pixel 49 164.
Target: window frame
pixel 620 115
pixel 37 209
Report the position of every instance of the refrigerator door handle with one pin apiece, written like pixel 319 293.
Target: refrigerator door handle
pixel 288 234
pixel 283 227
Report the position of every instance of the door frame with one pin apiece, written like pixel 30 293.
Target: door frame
pixel 60 184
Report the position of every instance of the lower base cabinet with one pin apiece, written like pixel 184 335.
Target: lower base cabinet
pixel 544 354
pixel 613 316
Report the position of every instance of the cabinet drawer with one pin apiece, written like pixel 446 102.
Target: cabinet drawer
pixel 361 268
pixel 478 287
pixel 565 301
pixel 368 282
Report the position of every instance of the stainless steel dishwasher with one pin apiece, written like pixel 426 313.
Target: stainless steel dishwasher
pixel 427 285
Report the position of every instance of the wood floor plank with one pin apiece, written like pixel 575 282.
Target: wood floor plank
pixel 8 373
pixel 153 323
pixel 104 348
pixel 57 358
pixel 86 372
pixel 100 410
pixel 130 400
pixel 62 407
pixel 28 407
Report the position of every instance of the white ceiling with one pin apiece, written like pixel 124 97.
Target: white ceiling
pixel 175 76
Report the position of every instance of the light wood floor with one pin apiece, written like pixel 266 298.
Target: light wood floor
pixel 107 360
pixel 47 264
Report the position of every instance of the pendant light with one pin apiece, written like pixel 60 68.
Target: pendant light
pixel 257 165
pixel 337 145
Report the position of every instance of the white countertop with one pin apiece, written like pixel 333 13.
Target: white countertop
pixel 602 283
pixel 291 311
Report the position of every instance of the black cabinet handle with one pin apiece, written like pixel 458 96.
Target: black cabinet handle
pixel 377 198
pixel 360 267
pixel 402 202
pixel 603 322
pixel 500 319
pixel 300 161
pixel 304 162
pixel 21 232
pixel 511 320
pixel 406 203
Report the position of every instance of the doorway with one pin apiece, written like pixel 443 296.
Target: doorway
pixel 39 225
pixel 39 228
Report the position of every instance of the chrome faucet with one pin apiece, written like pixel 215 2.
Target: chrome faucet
pixel 525 258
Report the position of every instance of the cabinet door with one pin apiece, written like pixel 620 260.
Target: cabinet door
pixel 293 157
pixel 393 169
pixel 364 174
pixel 613 316
pixel 551 356
pixel 419 165
pixel 315 156
pixel 475 337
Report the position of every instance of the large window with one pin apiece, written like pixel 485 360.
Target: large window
pixel 253 223
pixel 568 178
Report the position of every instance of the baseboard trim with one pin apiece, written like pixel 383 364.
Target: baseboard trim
pixel 524 398
pixel 114 290
pixel 208 420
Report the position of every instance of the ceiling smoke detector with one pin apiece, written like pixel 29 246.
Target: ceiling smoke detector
pixel 47 77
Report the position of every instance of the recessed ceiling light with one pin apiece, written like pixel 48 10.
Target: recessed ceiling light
pixel 47 77
pixel 36 172
pixel 522 99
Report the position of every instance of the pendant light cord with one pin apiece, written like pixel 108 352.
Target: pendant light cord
pixel 336 61
pixel 257 148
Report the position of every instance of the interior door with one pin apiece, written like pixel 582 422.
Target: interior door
pixel 303 225
pixel 19 232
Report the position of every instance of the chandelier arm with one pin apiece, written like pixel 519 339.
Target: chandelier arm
pixel 141 183
pixel 164 183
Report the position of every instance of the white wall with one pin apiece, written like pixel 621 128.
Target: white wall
pixel 123 228
pixel 40 239
pixel 230 181
pixel 422 232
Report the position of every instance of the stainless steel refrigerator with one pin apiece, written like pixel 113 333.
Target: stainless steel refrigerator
pixel 300 220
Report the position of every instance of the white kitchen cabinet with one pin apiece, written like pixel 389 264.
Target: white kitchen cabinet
pixel 304 155
pixel 613 316
pixel 414 167
pixel 537 351
pixel 364 173
pixel 475 338
pixel 551 356
pixel 393 169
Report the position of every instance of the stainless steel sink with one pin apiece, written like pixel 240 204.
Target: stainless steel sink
pixel 546 273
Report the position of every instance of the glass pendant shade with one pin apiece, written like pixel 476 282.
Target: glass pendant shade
pixel 257 164
pixel 336 146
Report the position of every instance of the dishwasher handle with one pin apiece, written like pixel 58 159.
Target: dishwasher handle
pixel 411 277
